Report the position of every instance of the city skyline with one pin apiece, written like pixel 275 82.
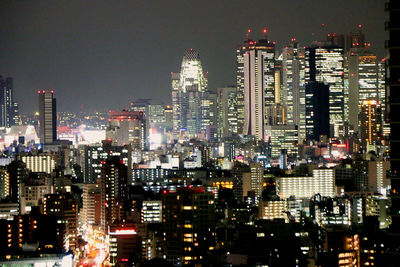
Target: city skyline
pixel 173 133
pixel 118 47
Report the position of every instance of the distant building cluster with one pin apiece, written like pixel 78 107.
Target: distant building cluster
pixel 294 165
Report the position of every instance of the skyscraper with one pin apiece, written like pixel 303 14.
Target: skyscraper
pixel 325 64
pixel 393 7
pixel 227 111
pixel 94 155
pixel 47 117
pixel 7 105
pixel 363 81
pixel 114 179
pixel 317 110
pixel 293 76
pixel 190 96
pixel 370 123
pixel 256 84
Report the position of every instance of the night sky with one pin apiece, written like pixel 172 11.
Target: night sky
pixel 105 53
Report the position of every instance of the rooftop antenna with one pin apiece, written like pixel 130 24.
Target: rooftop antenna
pixel 360 27
pixel 248 34
pixel 265 33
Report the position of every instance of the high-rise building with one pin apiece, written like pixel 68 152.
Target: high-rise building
pixel 91 210
pixel 363 82
pixel 189 224
pixel 113 183
pixel 8 115
pixel 190 96
pixel 94 156
pixel 227 111
pixel 383 97
pixel 253 180
pixel 377 178
pixel 393 7
pixel 293 76
pixel 370 121
pixel 127 127
pixel 317 110
pixel 325 64
pixel 364 79
pixel 282 137
pixel 47 117
pixel 65 208
pixel 256 84
pixel 17 171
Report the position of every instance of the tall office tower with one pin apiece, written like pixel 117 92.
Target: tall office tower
pixel 47 117
pixel 325 64
pixel 370 123
pixel 317 110
pixel 113 183
pixel 227 111
pixel 127 127
pixel 363 82
pixel 190 96
pixel 293 76
pixel 393 7
pixel 189 225
pixel 255 83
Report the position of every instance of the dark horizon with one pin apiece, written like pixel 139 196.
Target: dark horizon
pixel 83 50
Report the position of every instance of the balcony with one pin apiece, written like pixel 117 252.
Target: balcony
pixel 392 6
